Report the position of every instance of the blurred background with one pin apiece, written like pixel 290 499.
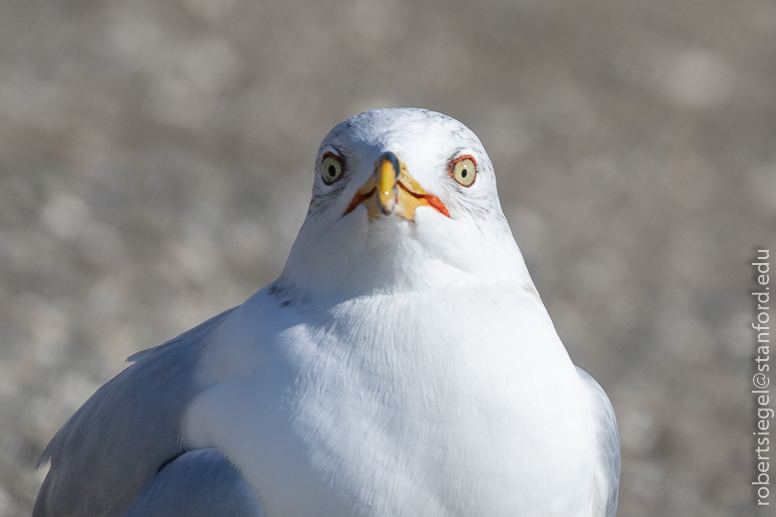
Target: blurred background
pixel 156 161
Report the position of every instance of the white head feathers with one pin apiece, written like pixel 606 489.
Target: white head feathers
pixel 458 234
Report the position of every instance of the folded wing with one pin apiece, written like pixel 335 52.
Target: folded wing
pixel 109 450
pixel 199 483
pixel 607 468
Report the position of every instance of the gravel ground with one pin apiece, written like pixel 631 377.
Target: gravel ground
pixel 156 162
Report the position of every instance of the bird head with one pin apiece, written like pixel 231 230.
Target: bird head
pixel 403 199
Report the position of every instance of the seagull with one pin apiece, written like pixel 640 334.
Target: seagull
pixel 403 364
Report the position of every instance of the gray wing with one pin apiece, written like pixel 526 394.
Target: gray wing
pixel 102 458
pixel 607 468
pixel 199 483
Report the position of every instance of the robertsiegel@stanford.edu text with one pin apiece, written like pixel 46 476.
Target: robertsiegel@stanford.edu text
pixel 761 379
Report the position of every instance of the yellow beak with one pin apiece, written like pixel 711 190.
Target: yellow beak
pixel 392 191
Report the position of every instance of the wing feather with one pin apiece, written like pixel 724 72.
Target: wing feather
pixel 116 442
pixel 200 483
pixel 607 468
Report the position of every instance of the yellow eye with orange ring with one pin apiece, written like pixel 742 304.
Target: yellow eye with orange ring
pixel 331 168
pixel 463 170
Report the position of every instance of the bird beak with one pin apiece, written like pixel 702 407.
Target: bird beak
pixel 392 191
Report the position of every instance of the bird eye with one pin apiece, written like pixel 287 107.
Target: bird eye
pixel 463 170
pixel 331 168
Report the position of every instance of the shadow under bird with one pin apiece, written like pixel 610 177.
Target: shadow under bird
pixel 403 364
